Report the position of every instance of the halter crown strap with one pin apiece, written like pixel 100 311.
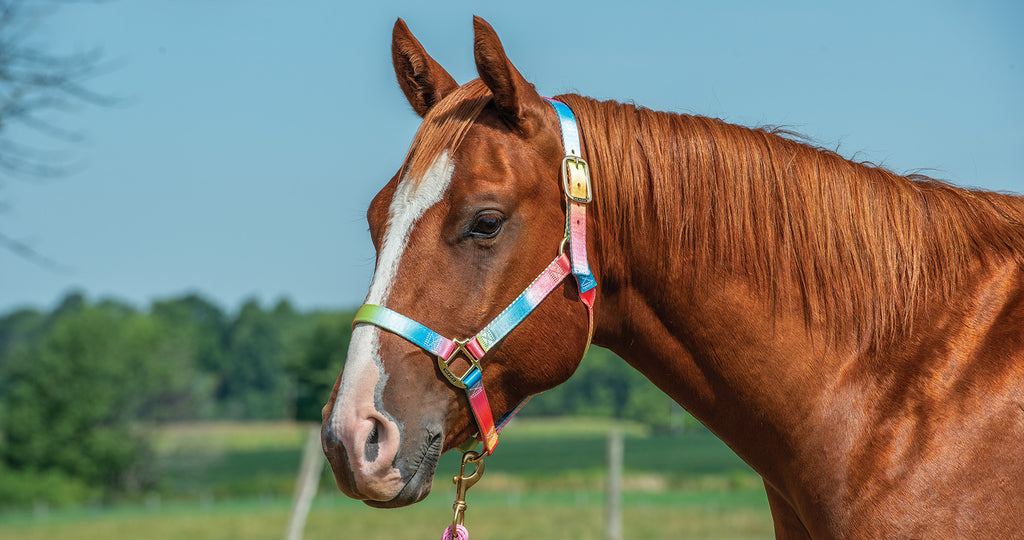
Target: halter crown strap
pixel 578 191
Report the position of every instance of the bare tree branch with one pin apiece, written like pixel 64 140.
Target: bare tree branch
pixel 26 251
pixel 36 84
pixel 38 87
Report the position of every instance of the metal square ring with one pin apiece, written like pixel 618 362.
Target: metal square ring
pixel 445 363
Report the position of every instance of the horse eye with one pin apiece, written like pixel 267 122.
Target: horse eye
pixel 487 225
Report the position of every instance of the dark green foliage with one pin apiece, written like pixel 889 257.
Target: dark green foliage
pixel 273 363
pixel 199 325
pixel 18 329
pixel 318 361
pixel 70 401
pixel 252 383
pixel 280 363
pixel 198 329
pixel 28 487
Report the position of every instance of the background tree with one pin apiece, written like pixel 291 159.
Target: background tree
pixel 252 382
pixel 38 88
pixel 318 361
pixel 72 403
pixel 198 328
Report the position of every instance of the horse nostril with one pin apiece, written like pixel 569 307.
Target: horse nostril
pixel 372 443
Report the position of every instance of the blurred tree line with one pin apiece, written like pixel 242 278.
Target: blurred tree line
pixel 80 385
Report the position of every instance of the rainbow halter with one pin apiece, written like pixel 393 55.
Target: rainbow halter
pixel 578 192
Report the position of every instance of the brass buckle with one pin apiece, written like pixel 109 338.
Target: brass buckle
pixel 445 363
pixel 576 179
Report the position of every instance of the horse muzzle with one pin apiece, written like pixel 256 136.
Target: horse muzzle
pixel 364 452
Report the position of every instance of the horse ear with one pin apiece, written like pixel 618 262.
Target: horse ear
pixel 422 79
pixel 515 99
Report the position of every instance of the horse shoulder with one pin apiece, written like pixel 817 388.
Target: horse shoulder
pixel 942 451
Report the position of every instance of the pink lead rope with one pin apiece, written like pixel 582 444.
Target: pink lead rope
pixel 460 533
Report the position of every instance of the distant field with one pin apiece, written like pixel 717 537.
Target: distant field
pixel 233 480
pixel 226 459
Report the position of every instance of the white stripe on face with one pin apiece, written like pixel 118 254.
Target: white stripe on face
pixel 409 204
pixel 363 369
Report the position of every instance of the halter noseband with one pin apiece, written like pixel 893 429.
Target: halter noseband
pixel 578 192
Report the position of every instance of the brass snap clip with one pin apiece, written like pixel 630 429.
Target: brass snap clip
pixel 463 483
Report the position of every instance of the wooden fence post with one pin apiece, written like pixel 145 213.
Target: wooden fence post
pixel 306 485
pixel 613 502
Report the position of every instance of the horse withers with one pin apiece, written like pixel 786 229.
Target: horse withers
pixel 856 336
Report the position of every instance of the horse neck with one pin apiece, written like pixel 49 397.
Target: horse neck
pixel 745 362
pixel 743 273
pixel 750 372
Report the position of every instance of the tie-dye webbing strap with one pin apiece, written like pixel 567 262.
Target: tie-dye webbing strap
pixel 411 330
pixel 476 347
pixel 522 306
pixel 578 193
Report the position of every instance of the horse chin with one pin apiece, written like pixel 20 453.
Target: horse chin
pixel 417 487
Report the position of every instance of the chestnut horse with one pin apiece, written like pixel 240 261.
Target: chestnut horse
pixel 856 336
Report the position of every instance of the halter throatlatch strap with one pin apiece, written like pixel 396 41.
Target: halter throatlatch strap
pixel 578 192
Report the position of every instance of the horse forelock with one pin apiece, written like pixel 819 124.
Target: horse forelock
pixel 859 247
pixel 444 127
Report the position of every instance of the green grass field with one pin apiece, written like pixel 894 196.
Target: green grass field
pixel 546 515
pixel 545 481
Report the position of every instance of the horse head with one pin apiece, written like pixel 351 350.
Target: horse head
pixel 474 214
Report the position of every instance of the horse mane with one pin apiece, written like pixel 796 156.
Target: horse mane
pixel 865 248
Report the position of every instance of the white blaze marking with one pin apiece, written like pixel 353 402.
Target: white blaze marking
pixel 406 209
pixel 363 368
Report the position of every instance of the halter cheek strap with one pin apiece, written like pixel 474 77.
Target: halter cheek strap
pixel 578 191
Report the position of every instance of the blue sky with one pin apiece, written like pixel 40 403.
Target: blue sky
pixel 253 134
